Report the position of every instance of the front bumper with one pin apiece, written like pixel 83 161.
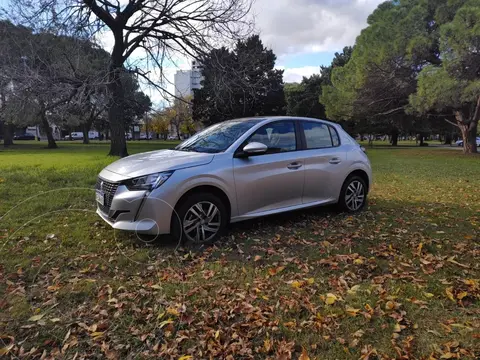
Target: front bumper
pixel 142 226
pixel 138 211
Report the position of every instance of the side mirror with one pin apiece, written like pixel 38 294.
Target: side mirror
pixel 255 148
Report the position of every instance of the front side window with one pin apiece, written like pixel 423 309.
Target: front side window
pixel 317 135
pixel 278 136
pixel 217 138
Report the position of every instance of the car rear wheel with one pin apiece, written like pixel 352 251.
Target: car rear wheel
pixel 353 196
pixel 201 219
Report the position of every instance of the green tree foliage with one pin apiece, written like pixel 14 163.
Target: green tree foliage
pixel 453 87
pixel 239 82
pixel 136 102
pixel 429 45
pixel 374 86
pixel 303 99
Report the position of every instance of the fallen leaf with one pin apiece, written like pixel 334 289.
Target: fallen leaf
pixel 353 290
pixel 36 317
pixel 257 258
pixel 449 293
pixel 97 335
pixel 274 271
pixel 296 284
pixel 304 355
pixel 166 322
pixel 330 299
pixel 451 260
pixel 397 328
pixel 267 344
pixel 4 339
pixel 351 311
pixel 173 311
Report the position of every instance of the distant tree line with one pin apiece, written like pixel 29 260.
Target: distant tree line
pixel 415 69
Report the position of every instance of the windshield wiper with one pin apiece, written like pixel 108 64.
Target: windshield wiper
pixel 188 149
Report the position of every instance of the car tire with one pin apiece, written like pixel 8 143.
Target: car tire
pixel 192 226
pixel 353 196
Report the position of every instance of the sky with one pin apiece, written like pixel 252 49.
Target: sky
pixel 304 34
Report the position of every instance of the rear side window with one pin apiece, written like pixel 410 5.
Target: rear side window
pixel 335 138
pixel 317 135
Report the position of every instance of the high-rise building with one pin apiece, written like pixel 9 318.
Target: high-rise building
pixel 187 80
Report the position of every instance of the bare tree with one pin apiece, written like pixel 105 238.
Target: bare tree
pixel 146 34
pixel 49 72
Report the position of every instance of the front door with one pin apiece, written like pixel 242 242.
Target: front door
pixel 273 180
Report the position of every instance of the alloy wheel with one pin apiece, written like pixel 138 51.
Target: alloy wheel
pixel 355 195
pixel 202 222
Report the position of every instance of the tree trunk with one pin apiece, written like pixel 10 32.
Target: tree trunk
pixel 394 139
pixel 468 131
pixel 420 138
pixel 7 134
pixel 87 126
pixel 370 140
pixel 48 130
pixel 448 139
pixel 116 112
pixel 85 130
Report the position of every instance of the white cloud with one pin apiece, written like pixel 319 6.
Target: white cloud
pixel 295 26
pixel 297 74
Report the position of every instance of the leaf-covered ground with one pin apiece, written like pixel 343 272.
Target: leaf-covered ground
pixel 400 280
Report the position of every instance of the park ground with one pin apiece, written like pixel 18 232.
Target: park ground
pixel 399 280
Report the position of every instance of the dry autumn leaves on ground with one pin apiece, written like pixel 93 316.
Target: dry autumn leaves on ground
pixel 401 280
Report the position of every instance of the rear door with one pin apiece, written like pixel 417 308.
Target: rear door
pixel 273 180
pixel 325 162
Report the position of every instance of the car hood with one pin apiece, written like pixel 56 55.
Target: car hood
pixel 157 161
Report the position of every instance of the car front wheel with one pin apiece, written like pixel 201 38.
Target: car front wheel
pixel 353 196
pixel 201 219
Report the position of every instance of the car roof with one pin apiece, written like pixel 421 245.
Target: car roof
pixel 270 118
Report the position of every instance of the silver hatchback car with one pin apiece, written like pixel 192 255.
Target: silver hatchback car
pixel 233 171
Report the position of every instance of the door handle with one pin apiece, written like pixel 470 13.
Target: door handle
pixel 294 165
pixel 335 161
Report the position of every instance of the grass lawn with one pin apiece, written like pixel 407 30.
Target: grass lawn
pixel 399 280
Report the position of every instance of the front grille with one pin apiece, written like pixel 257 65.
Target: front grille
pixel 109 189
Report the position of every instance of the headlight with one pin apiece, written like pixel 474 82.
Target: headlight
pixel 148 182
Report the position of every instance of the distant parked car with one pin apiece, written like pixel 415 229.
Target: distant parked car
pixel 172 137
pixel 77 135
pixel 25 136
pixel 144 137
pixel 232 171
pixel 128 136
pixel 460 142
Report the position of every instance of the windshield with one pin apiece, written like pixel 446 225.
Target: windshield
pixel 218 137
